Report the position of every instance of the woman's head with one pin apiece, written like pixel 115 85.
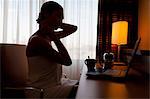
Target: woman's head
pixel 52 9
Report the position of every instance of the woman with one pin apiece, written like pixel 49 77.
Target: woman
pixel 45 63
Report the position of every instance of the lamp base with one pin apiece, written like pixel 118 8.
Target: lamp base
pixel 118 54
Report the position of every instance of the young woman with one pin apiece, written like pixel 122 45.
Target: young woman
pixel 45 63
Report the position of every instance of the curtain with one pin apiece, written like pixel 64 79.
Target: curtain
pixel 18 20
pixel 111 11
pixel 18 23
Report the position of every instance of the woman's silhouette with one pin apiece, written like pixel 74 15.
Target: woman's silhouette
pixel 45 63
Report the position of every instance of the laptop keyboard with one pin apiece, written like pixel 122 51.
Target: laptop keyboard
pixel 109 72
pixel 112 72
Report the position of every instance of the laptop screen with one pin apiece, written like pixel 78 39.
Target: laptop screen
pixel 133 53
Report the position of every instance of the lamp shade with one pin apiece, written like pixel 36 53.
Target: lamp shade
pixel 119 32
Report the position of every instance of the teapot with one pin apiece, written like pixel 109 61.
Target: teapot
pixel 90 64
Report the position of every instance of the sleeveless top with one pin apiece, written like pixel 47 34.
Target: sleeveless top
pixel 43 72
pixel 48 75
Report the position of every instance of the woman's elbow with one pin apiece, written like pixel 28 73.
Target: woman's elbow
pixel 67 63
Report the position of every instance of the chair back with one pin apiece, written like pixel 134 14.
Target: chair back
pixel 14 65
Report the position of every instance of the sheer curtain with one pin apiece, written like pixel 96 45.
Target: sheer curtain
pixel 18 22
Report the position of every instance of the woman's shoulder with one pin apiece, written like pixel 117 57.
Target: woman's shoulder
pixel 37 39
pixel 35 36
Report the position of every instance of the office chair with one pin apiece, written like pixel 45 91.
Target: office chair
pixel 14 73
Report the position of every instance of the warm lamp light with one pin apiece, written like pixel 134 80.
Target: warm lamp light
pixel 119 34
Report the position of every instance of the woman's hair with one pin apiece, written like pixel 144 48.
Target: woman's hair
pixel 48 8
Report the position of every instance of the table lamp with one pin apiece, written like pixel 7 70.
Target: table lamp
pixel 119 34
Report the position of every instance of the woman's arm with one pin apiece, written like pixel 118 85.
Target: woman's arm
pixel 40 46
pixel 67 29
pixel 63 52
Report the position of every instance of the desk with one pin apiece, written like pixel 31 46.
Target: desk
pixel 100 88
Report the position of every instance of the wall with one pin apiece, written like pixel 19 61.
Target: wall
pixel 144 24
pixel 144 33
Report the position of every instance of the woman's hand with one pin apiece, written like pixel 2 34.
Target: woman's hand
pixel 53 37
pixel 67 29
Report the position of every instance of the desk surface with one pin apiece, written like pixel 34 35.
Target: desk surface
pixel 100 88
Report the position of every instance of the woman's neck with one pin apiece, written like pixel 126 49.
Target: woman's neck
pixel 43 35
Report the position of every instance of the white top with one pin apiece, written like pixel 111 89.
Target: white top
pixel 46 74
pixel 42 72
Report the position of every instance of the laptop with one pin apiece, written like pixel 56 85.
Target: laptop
pixel 117 71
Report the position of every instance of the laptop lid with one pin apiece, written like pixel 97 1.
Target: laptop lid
pixel 133 53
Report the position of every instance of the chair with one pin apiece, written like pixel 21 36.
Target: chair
pixel 14 72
